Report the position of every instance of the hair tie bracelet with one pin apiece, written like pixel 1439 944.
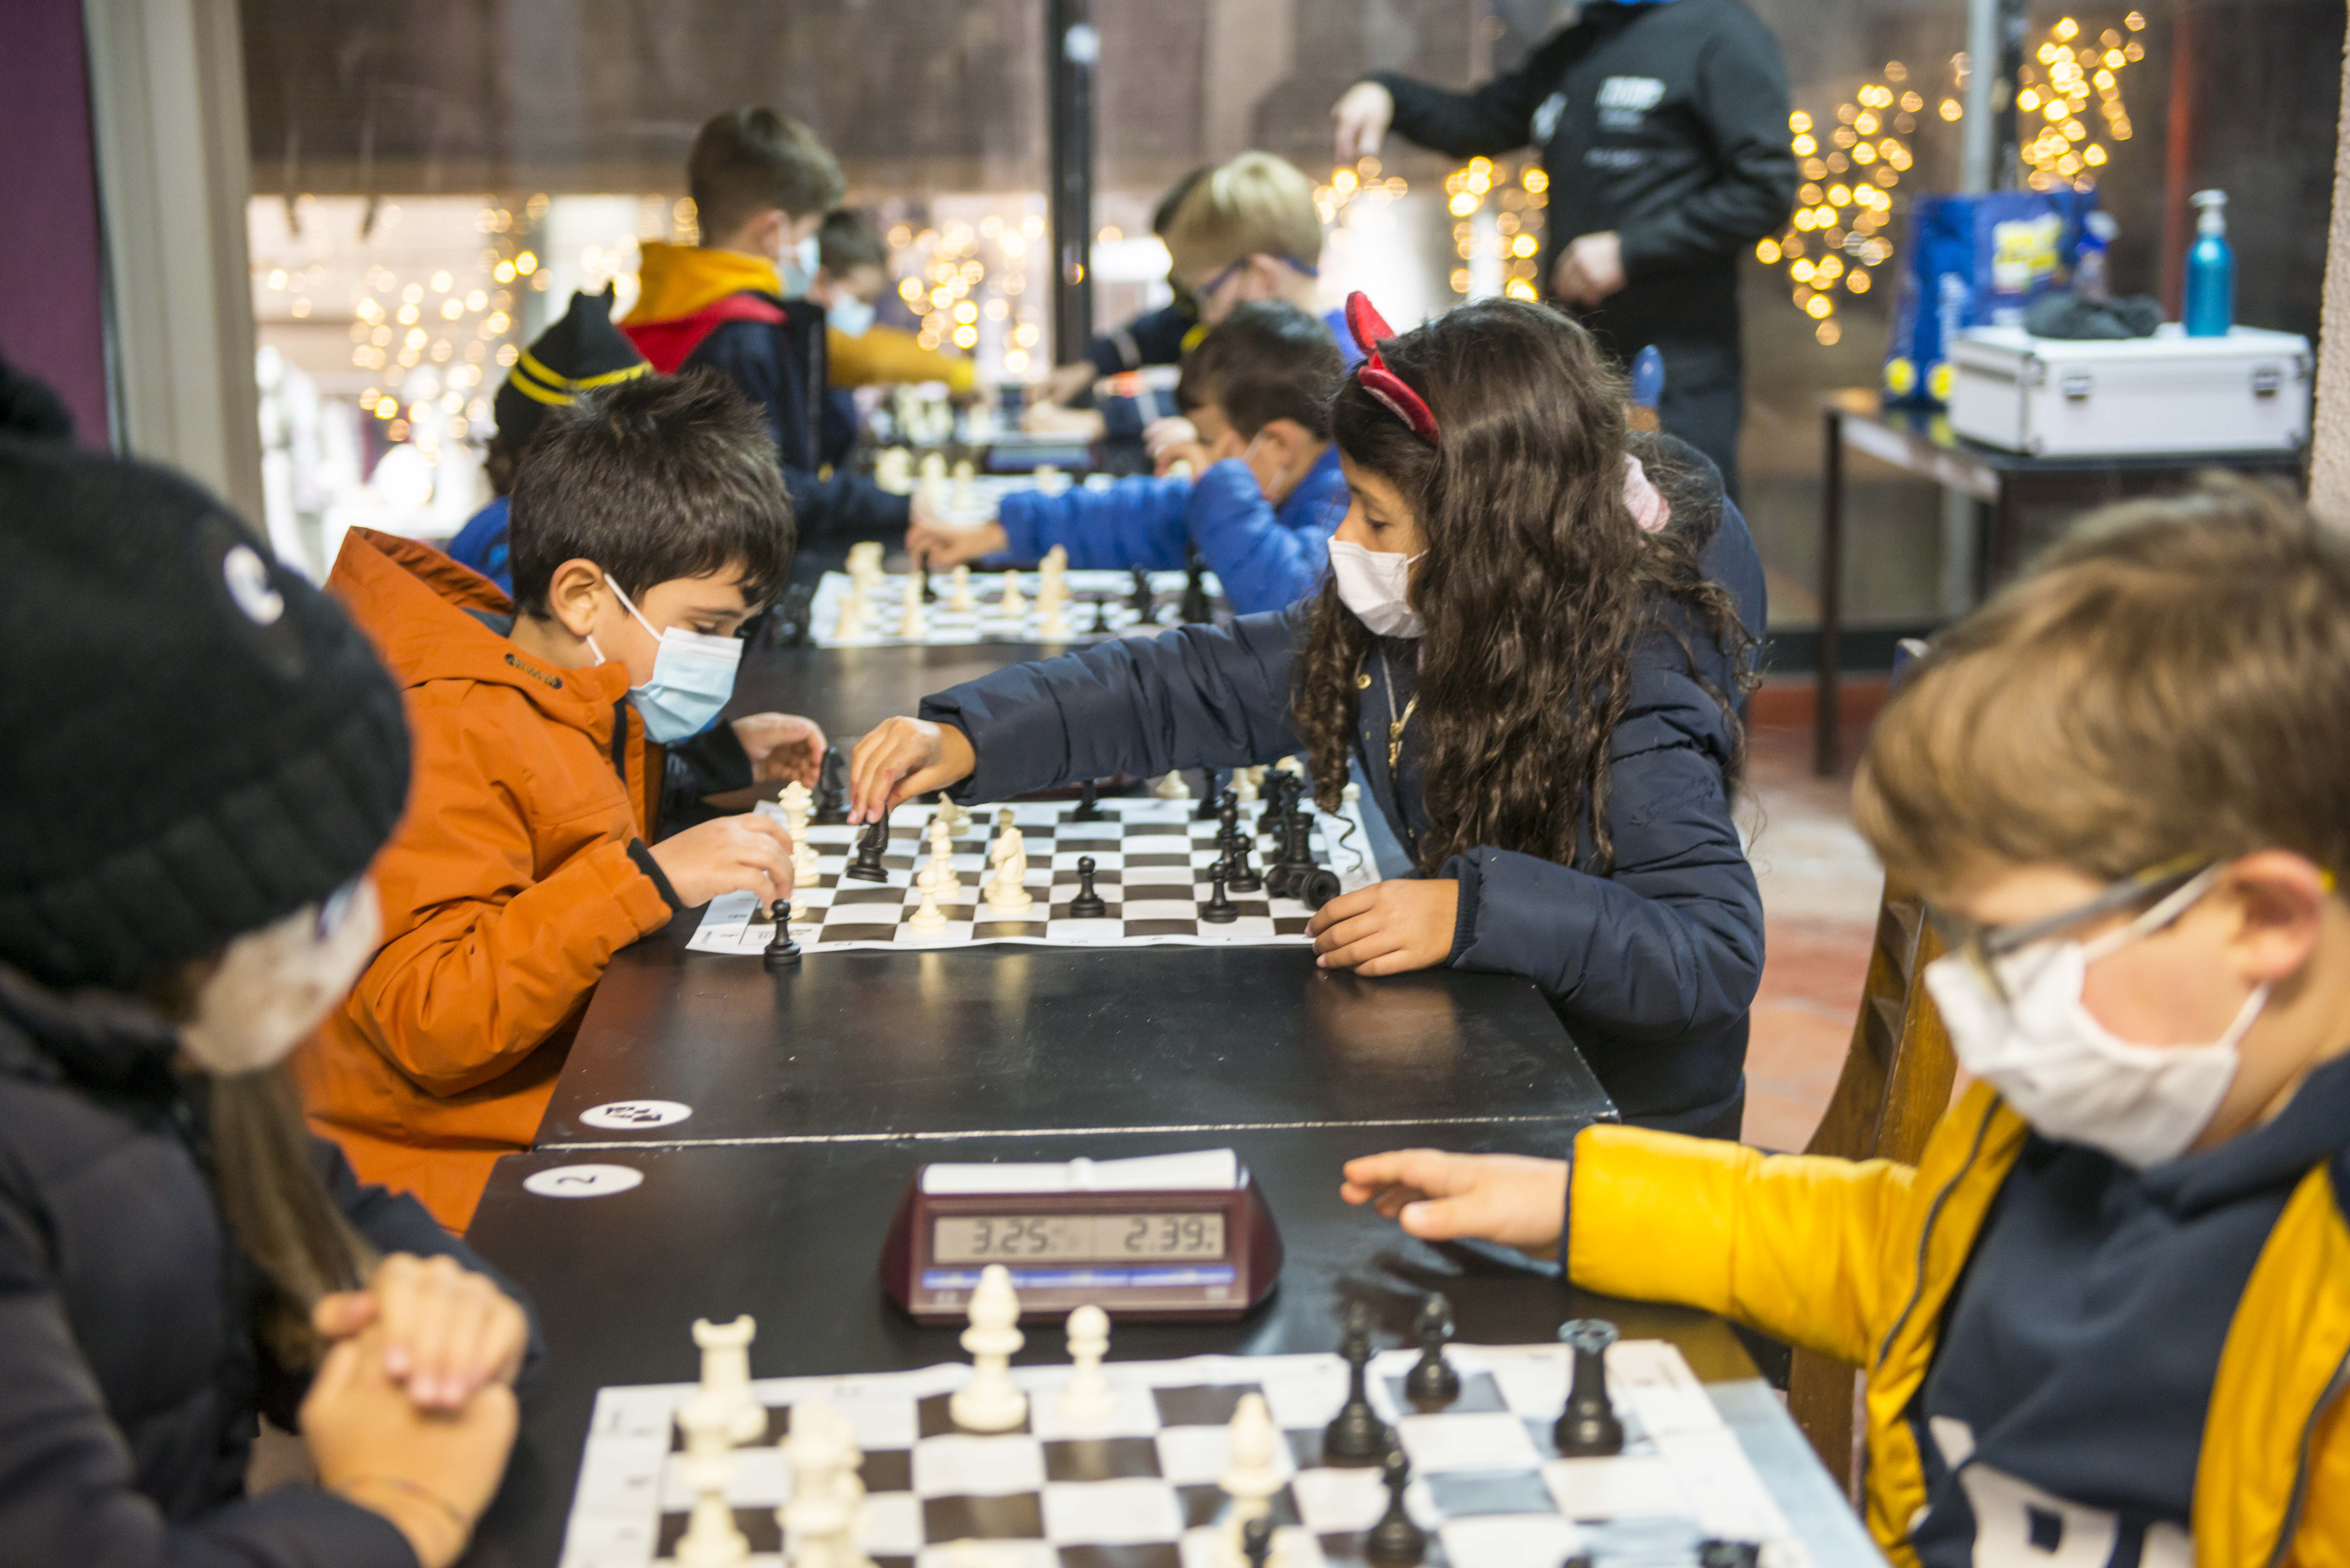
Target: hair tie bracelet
pixel 1370 331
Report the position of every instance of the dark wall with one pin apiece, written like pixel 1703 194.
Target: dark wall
pixel 52 319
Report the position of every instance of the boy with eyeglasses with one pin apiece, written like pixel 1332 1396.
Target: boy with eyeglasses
pixel 2106 1316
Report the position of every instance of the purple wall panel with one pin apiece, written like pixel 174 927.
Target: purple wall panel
pixel 51 319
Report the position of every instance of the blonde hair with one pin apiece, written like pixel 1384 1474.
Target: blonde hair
pixel 1256 204
pixel 2174 680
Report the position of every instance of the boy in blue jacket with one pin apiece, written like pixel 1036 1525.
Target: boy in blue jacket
pixel 1257 390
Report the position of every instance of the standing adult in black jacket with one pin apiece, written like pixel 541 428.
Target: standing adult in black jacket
pixel 176 1253
pixel 1663 126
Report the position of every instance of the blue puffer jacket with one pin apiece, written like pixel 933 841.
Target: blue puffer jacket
pixel 1652 967
pixel 1266 556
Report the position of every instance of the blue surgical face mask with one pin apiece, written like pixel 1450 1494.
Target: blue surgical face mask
pixel 849 316
pixel 693 674
pixel 798 268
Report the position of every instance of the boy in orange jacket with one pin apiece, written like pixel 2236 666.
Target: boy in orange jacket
pixel 2105 1319
pixel 649 525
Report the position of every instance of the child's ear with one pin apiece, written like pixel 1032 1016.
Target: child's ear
pixel 2282 905
pixel 575 594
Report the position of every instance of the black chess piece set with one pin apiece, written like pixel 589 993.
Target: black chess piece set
pixel 1357 1437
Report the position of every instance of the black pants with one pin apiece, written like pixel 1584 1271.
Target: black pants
pixel 1703 401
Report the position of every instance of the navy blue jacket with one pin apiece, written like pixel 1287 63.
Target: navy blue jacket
pixel 1266 556
pixel 1153 338
pixel 782 368
pixel 130 1375
pixel 1652 967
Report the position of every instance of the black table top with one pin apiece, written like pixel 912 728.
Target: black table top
pixel 850 689
pixel 792 1235
pixel 1005 1039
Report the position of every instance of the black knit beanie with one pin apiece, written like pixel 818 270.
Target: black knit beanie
pixel 197 741
pixel 580 353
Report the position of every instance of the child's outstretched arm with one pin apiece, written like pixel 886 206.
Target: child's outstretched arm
pixel 1137 522
pixel 1670 945
pixel 1199 696
pixel 1263 564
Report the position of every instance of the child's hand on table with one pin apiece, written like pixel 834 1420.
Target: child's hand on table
pixel 1438 1196
pixel 1403 923
pixel 782 746
pixel 445 1331
pixel 900 759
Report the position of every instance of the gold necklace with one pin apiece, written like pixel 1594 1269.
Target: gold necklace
pixel 1395 729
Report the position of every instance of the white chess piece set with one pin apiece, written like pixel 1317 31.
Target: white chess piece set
pixel 823 1520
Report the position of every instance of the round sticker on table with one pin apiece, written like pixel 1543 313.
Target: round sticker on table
pixel 583 1180
pixel 631 1115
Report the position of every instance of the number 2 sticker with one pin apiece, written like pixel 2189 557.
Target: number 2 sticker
pixel 582 1180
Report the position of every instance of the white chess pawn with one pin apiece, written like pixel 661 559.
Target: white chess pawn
pixel 1244 786
pixel 927 915
pixel 911 625
pixel 848 620
pixel 938 869
pixel 726 1374
pixel 959 597
pixel 1086 1400
pixel 1171 787
pixel 1251 1478
pixel 990 1402
pixel 1011 607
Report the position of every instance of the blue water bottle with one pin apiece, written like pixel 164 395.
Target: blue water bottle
pixel 2210 270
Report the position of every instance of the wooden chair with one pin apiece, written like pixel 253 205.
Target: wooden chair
pixel 1894 1085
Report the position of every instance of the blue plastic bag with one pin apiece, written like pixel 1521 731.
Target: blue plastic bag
pixel 1974 261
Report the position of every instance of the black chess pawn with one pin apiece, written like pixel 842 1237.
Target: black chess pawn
pixel 1395 1538
pixel 1211 794
pixel 1432 1383
pixel 1228 819
pixel 1195 608
pixel 1219 910
pixel 1587 1428
pixel 782 951
pixel 1087 905
pixel 831 793
pixel 1101 616
pixel 870 845
pixel 1145 599
pixel 1256 1540
pixel 929 589
pixel 1355 1435
pixel 1089 806
pixel 1715 1553
pixel 1239 875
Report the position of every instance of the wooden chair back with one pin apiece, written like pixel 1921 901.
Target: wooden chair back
pixel 1895 1086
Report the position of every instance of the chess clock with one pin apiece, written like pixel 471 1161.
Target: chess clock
pixel 1161 1237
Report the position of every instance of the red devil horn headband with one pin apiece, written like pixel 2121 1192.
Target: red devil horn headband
pixel 1370 331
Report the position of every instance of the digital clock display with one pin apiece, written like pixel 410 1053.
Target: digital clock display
pixel 1075 1237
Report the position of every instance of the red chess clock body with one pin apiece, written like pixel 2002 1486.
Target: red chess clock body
pixel 1140 1256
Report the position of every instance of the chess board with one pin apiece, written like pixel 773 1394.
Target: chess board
pixel 1099 606
pixel 1141 1490
pixel 1151 859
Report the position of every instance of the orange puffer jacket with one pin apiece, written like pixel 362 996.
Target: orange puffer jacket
pixel 519 871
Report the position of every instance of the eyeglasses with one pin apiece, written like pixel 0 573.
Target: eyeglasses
pixel 1980 946
pixel 1207 290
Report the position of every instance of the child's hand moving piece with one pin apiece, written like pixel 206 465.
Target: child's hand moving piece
pixel 1439 1197
pixel 900 759
pixel 940 546
pixel 430 1473
pixel 747 854
pixel 1388 926
pixel 446 1333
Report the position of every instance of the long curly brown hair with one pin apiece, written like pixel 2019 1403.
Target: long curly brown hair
pixel 1536 587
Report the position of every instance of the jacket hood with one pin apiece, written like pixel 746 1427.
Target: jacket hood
pixel 412 601
pixel 674 280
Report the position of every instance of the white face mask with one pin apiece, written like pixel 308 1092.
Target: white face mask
pixel 2068 1074
pixel 798 266
pixel 275 985
pixel 1375 584
pixel 693 674
pixel 849 316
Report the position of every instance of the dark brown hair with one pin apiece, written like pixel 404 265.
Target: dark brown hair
pixel 747 160
pixel 1536 587
pixel 654 478
pixel 848 240
pixel 2171 679
pixel 1267 360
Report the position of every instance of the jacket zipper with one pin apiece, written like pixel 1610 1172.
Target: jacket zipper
pixel 621 741
pixel 1926 1235
pixel 2291 1526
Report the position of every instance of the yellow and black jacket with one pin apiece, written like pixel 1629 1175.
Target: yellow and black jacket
pixel 1861 1261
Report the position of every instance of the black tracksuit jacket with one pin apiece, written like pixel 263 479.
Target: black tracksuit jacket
pixel 1665 122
